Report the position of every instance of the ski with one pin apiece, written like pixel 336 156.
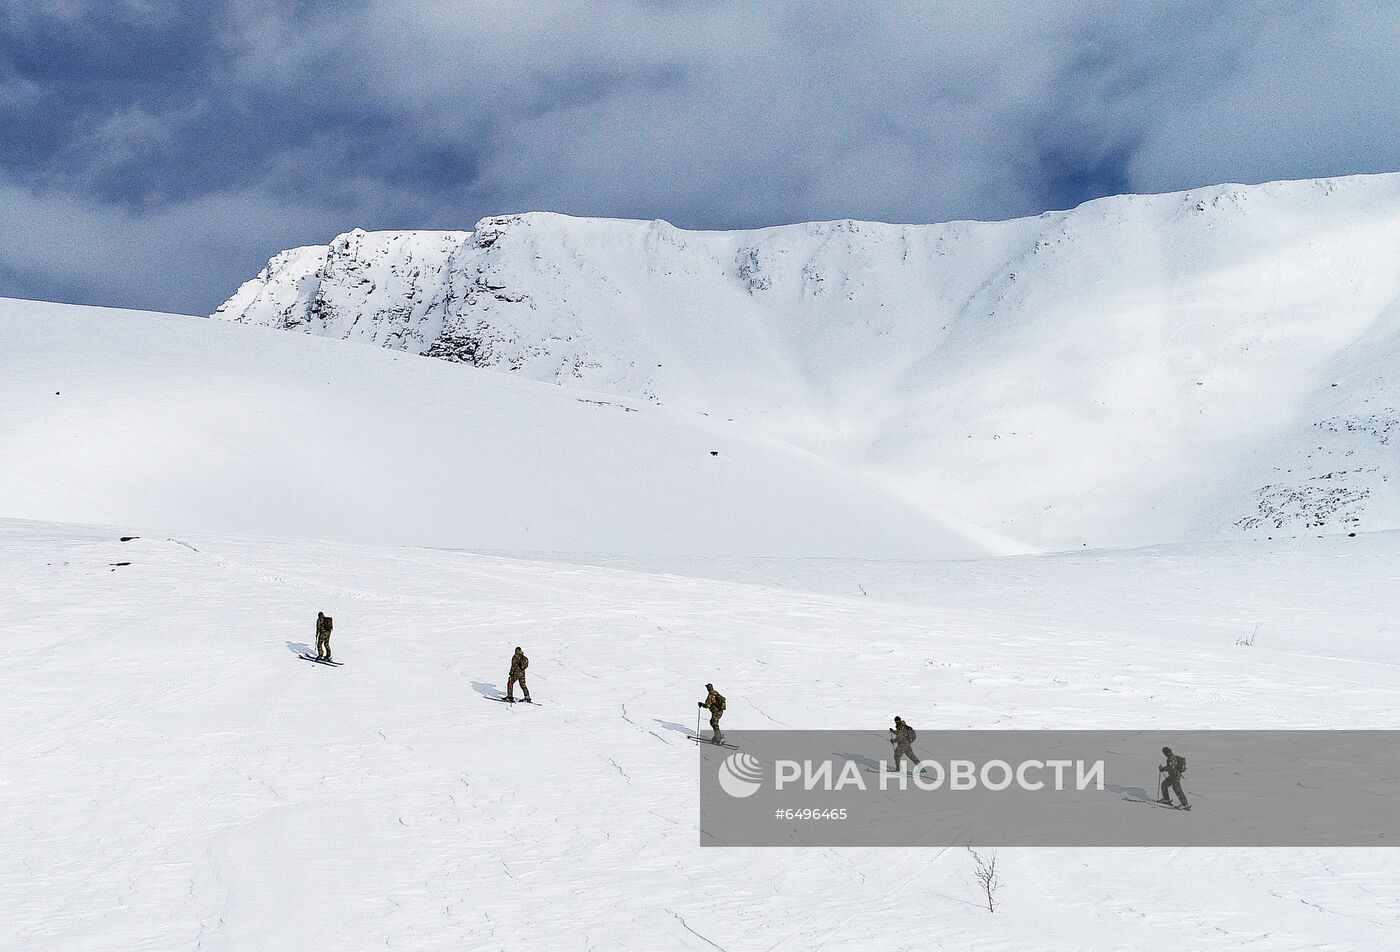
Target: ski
pixel 332 664
pixel 703 740
pixel 506 700
pixel 897 773
pixel 1160 806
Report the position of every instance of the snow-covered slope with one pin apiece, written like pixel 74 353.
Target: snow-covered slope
pixel 1137 369
pixel 151 421
pixel 173 777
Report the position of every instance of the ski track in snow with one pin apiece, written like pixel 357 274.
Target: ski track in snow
pixel 173 777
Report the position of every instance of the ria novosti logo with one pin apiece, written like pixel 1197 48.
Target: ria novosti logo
pixel 740 775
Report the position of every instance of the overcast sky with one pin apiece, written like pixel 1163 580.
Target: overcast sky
pixel 154 153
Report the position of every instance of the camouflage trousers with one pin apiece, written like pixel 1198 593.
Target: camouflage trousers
pixel 714 726
pixel 510 685
pixel 904 750
pixel 323 644
pixel 1174 783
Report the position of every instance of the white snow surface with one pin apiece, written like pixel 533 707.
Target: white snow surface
pixel 119 417
pixel 1140 369
pixel 174 777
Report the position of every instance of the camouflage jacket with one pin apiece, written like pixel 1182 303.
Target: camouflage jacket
pixel 518 664
pixel 1175 765
pixel 903 735
pixel 714 702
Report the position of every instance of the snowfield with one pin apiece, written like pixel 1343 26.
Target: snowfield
pixel 174 777
pixel 816 465
pixel 120 417
pixel 1140 369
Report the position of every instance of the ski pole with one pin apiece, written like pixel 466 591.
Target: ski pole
pixel 697 723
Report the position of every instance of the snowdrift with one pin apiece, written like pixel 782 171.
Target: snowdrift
pixel 158 421
pixel 1138 369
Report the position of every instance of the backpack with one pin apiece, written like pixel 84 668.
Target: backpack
pixel 913 735
pixel 524 662
pixel 1181 763
pixel 327 624
pixel 719 703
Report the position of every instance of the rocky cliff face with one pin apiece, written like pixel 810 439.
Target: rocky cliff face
pixel 602 303
pixel 1138 368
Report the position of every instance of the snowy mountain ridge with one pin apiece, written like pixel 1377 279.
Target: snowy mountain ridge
pixel 1137 369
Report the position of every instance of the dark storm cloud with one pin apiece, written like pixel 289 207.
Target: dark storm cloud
pixel 154 153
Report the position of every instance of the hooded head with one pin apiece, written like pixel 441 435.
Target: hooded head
pixel 320 614
pixel 709 687
pixel 1167 751
pixel 898 719
pixel 517 650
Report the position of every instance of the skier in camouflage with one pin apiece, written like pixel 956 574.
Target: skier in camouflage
pixel 714 703
pixel 1171 778
pixel 903 740
pixel 518 664
pixel 323 636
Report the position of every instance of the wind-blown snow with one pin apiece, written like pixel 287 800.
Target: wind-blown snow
pixel 174 777
pixel 1138 369
pixel 160 421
